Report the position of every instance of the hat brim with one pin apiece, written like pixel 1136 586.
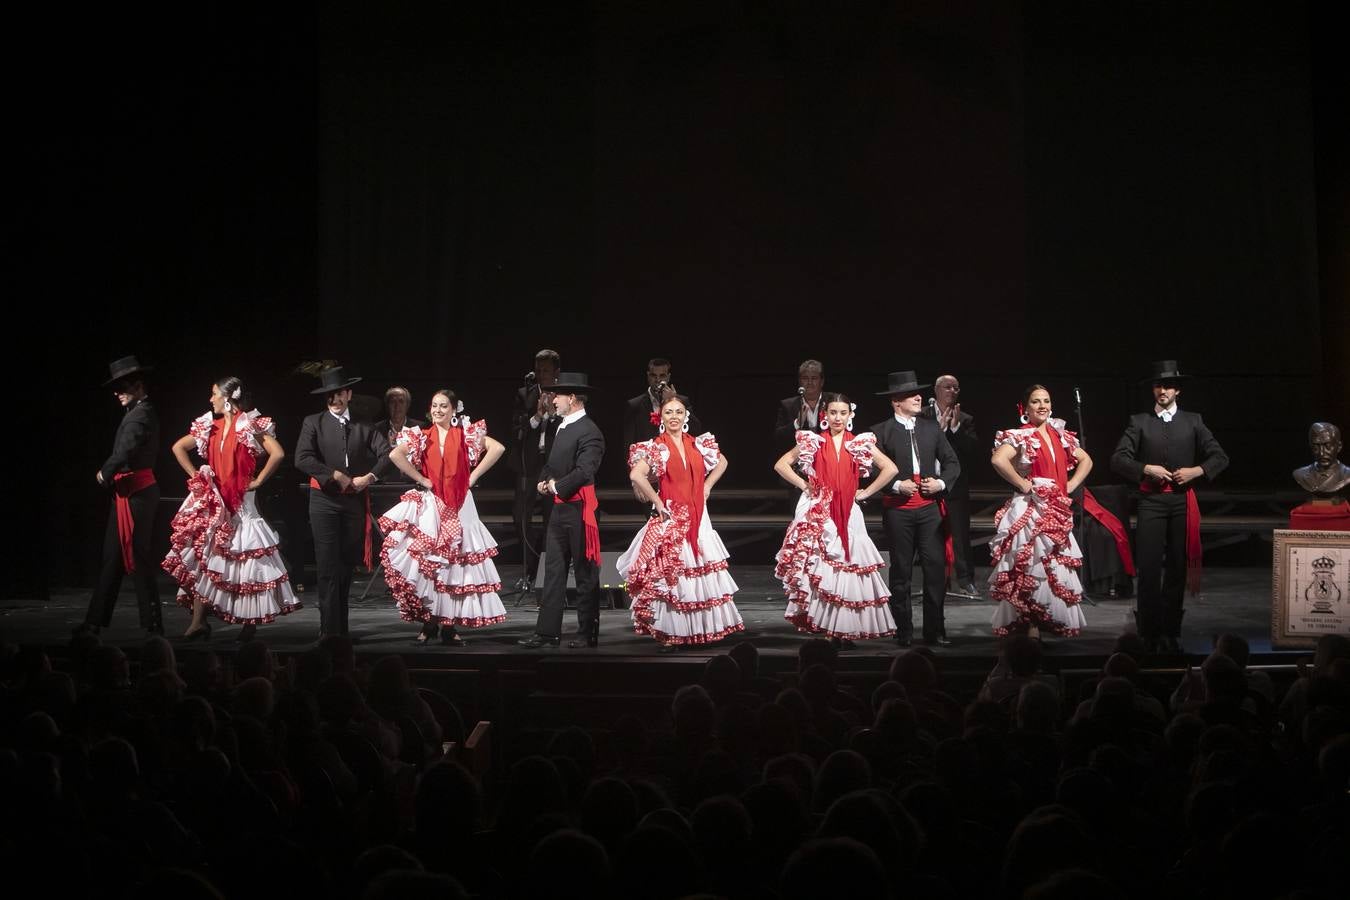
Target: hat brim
pixel 903 390
pixel 1154 379
pixel 140 370
pixel 341 387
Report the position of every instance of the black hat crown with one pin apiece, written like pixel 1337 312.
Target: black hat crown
pixel 1164 370
pixel 902 383
pixel 571 383
pixel 123 368
pixel 333 380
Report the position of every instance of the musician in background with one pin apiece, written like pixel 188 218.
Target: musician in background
pixel 642 417
pixel 532 424
pixel 802 411
pixel 958 427
pixel 397 401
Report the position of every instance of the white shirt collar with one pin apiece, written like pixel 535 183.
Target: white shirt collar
pixel 344 418
pixel 905 422
pixel 570 418
pixel 1166 414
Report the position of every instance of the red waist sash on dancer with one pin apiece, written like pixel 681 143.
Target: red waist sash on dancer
pixel 915 500
pixel 368 557
pixel 124 485
pixel 1193 547
pixel 589 504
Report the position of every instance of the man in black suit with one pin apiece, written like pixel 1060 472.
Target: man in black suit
pixel 532 424
pixel 342 459
pixel 573 536
pixel 801 411
pixel 397 401
pixel 958 427
pixel 910 506
pixel 129 473
pixel 1165 451
pixel 638 424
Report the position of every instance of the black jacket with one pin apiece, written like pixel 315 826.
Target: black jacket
pixel 968 449
pixel 320 450
pixel 894 441
pixel 1181 443
pixel 575 456
pixel 136 443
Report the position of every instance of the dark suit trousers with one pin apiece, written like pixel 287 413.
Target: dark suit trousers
pixel 528 503
pixel 565 544
pixel 1160 553
pixel 143 504
pixel 958 518
pixel 908 530
pixel 338 522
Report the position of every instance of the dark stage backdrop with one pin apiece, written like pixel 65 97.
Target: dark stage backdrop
pixel 428 192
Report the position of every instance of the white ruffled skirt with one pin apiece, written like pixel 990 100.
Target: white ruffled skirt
pixel 1036 562
pixel 827 594
pixel 229 563
pixel 438 564
pixel 679 599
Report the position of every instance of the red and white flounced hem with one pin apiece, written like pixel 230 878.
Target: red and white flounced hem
pixel 826 594
pixel 438 563
pixel 229 564
pixel 677 599
pixel 1036 562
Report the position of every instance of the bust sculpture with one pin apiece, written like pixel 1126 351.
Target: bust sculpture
pixel 1326 477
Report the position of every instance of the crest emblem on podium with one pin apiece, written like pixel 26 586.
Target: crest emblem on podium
pixel 1322 592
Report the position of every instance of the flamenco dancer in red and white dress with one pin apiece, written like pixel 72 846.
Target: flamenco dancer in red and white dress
pixel 1035 557
pixel 828 565
pixel 222 553
pixel 437 554
pixel 676 567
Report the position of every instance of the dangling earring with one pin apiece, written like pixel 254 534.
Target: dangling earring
pixel 1022 414
pixel 852 408
pixel 229 407
pixel 685 427
pixel 824 424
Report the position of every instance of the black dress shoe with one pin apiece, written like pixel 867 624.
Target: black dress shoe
pixel 587 637
pixel 535 641
pixel 940 641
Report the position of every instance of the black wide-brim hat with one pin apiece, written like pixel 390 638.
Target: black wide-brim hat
pixel 1164 370
pixel 571 383
pixel 333 380
pixel 902 383
pixel 124 368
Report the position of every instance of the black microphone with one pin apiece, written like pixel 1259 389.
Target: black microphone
pixel 1077 397
pixel 932 401
pixel 801 392
pixel 530 377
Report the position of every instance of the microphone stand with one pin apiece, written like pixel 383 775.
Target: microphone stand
pixel 523 587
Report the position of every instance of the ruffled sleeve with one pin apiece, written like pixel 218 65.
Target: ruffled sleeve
pixel 200 429
pixel 475 439
pixel 414 442
pixel 1024 441
pixel 808 443
pixel 253 427
pixel 860 448
pixel 706 444
pixel 653 453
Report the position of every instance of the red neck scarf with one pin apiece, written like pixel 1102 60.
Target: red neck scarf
pixel 683 481
pixel 448 469
pixel 838 470
pixel 232 461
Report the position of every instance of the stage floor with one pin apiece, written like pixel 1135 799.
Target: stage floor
pixel 1234 599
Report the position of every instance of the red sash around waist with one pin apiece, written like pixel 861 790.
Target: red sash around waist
pixel 124 485
pixel 1193 547
pixel 589 504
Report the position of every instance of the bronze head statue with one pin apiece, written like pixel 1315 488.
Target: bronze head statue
pixel 1326 475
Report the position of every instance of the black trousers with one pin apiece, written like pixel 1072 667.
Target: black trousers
pixel 565 544
pixel 1160 556
pixel 143 504
pixel 528 503
pixel 958 519
pixel 338 522
pixel 908 530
